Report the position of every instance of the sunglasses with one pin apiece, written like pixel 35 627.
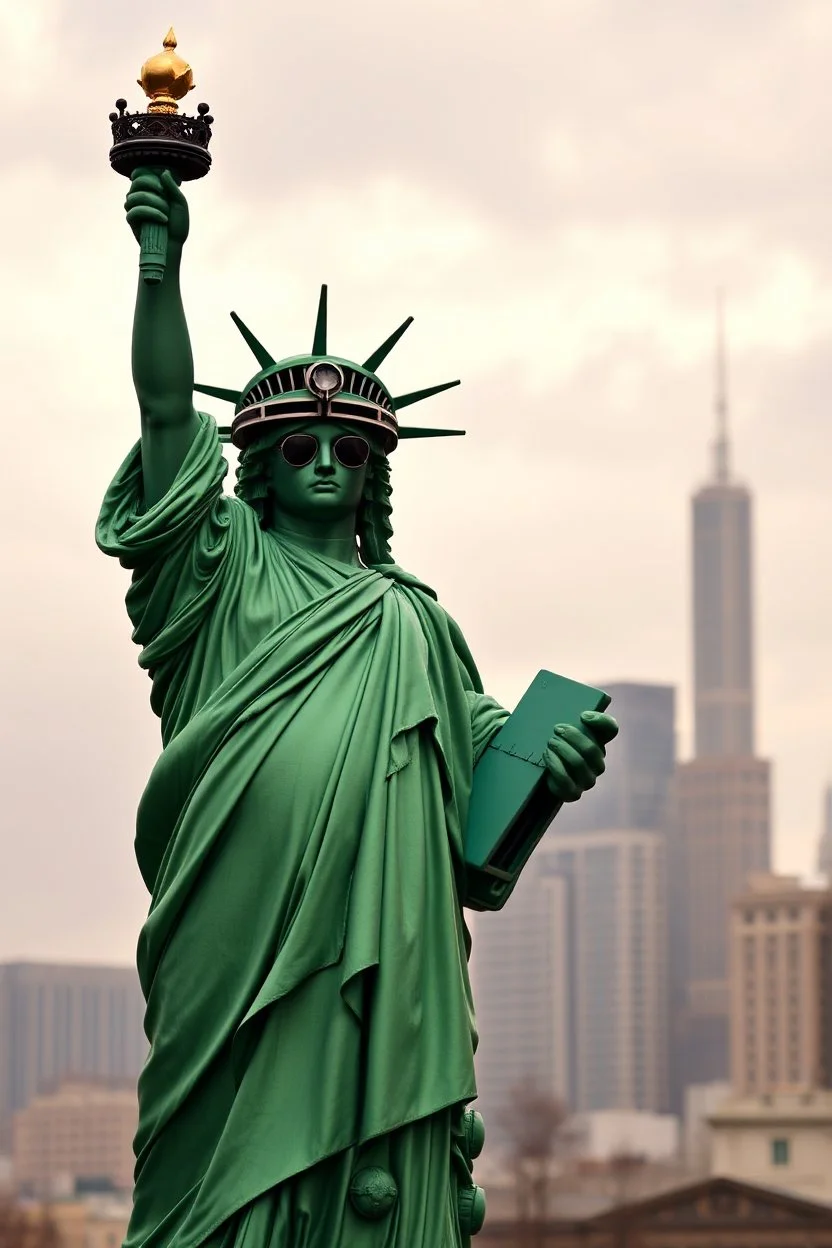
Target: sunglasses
pixel 299 449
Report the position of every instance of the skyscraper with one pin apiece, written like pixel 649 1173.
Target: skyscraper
pixel 60 1020
pixel 522 989
pixel 719 831
pixel 570 977
pixel 617 941
pixel 723 632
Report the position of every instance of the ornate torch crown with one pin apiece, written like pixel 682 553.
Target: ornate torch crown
pixel 162 136
pixel 318 386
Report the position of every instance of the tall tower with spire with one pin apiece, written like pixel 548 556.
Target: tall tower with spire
pixel 719 831
pixel 723 650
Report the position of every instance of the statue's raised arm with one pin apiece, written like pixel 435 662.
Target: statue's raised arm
pixel 163 367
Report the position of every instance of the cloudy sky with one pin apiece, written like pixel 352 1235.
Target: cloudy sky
pixel 555 189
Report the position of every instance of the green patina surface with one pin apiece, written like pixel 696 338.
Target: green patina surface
pixel 305 956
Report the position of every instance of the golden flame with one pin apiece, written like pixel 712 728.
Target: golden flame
pixel 166 78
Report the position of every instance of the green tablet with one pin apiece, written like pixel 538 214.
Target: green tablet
pixel 511 805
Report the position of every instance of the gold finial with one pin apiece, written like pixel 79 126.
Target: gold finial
pixel 166 78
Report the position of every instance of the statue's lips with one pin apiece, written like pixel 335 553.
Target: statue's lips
pixel 326 487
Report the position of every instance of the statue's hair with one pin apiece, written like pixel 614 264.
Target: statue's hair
pixel 372 523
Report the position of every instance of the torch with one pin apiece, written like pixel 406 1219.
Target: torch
pixel 161 138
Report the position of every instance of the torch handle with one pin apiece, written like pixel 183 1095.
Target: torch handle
pixel 153 254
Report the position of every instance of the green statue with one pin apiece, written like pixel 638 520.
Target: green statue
pixel 304 959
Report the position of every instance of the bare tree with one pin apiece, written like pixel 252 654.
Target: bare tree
pixel 535 1124
pixel 13 1225
pixel 19 1230
pixel 625 1164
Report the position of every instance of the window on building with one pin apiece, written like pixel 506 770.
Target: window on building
pixel 779 1152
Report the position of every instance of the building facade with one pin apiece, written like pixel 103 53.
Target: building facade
pixel 723 643
pixel 613 885
pixel 62 1020
pixel 701 1101
pixel 99 1222
pixel 782 1139
pixel 522 982
pixel 81 1133
pixel 781 987
pixel 719 834
pixel 714 1213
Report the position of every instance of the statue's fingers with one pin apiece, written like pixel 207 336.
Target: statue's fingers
pixel 171 185
pixel 137 217
pixel 590 751
pixel 576 767
pixel 603 727
pixel 559 781
pixel 146 180
pixel 145 199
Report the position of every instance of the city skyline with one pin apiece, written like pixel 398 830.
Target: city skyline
pixel 557 225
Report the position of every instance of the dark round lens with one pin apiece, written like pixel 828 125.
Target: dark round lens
pixel 351 451
pixel 299 449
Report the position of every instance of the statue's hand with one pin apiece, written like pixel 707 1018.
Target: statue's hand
pixel 154 196
pixel 574 758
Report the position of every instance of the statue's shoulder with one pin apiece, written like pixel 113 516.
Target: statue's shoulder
pixel 408 581
pixel 426 599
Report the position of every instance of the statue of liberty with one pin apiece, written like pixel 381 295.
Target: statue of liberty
pixel 305 956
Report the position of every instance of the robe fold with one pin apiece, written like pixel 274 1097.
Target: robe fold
pixel 304 958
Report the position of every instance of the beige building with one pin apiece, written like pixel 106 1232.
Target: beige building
pixel 777 1126
pixel 82 1131
pixel 781 987
pixel 782 1139
pixel 701 1100
pixel 93 1223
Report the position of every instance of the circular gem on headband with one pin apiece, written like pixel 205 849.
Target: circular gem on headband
pixel 324 379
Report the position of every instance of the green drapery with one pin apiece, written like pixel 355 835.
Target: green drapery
pixel 304 959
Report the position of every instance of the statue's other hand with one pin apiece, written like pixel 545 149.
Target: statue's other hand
pixel 574 757
pixel 154 196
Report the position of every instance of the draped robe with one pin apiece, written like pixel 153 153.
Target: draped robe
pixel 304 958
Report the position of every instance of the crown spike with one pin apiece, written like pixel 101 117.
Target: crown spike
pixel 413 431
pixel 416 396
pixel 220 392
pixel 319 344
pixel 258 350
pixel 381 353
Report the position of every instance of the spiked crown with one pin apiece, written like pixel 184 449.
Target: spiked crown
pixel 320 385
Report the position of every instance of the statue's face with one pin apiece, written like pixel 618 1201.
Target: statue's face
pixel 325 488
